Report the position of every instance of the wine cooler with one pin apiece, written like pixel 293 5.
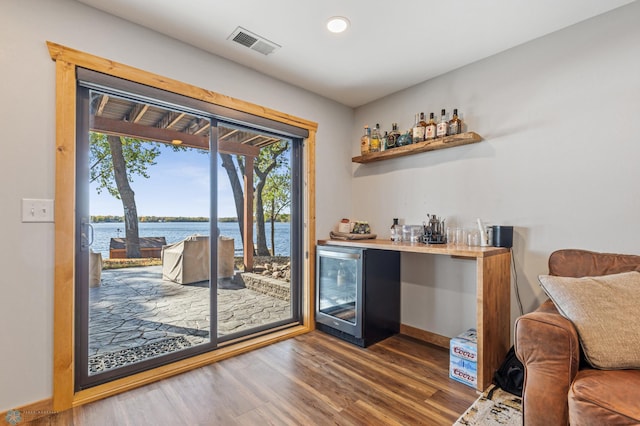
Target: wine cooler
pixel 357 293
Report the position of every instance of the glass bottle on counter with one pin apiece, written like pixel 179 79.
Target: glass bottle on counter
pixel 419 128
pixel 430 132
pixel 376 139
pixel 443 125
pixel 365 141
pixel 395 230
pixel 393 136
pixel 455 124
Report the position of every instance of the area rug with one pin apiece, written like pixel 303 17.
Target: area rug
pixel 493 407
pixel 109 360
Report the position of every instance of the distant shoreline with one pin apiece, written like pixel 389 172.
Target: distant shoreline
pixel 169 219
pixel 157 219
pixel 176 231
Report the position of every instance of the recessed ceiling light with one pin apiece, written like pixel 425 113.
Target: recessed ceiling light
pixel 337 24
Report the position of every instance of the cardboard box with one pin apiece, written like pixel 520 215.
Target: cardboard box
pixel 463 358
pixel 463 371
pixel 471 335
pixel 465 346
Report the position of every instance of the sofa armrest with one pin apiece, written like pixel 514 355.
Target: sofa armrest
pixel 547 345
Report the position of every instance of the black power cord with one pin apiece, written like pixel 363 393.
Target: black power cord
pixel 515 282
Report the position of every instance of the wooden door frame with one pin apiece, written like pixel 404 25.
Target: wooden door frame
pixel 67 59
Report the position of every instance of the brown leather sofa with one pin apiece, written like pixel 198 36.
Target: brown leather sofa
pixel 560 388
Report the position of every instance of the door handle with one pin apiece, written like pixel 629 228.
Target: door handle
pixel 86 235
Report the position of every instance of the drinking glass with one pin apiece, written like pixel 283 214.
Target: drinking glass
pixel 473 237
pixel 451 235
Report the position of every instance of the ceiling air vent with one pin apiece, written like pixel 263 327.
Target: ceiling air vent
pixel 253 41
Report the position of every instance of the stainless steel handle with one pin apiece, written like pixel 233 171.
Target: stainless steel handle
pixel 90 226
pixel 86 237
pixel 338 254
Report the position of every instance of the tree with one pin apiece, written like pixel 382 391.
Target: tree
pixel 270 159
pixel 114 161
pixel 277 196
pixel 236 186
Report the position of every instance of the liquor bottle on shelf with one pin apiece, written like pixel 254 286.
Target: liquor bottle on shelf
pixel 418 128
pixel 393 136
pixel 383 141
pixel 430 132
pixel 443 126
pixel 365 140
pixel 455 124
pixel 376 139
pixel 404 139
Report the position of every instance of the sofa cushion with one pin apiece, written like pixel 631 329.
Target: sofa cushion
pixel 601 397
pixel 585 263
pixel 604 311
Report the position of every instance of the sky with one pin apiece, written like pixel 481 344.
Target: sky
pixel 178 186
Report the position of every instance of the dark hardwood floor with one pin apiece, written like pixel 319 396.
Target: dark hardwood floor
pixel 314 379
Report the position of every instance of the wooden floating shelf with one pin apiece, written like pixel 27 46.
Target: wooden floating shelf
pixel 415 148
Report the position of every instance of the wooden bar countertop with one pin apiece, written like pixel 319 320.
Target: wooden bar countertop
pixel 493 295
pixel 445 249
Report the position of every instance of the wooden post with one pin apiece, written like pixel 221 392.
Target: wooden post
pixel 493 314
pixel 64 272
pixel 248 214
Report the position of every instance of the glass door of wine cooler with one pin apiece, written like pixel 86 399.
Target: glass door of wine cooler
pixel 339 288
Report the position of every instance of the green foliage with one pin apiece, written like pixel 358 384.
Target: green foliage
pixel 283 217
pixel 227 219
pixel 106 219
pixel 129 263
pixel 173 219
pixel 138 154
pixel 273 192
pixel 270 157
pixel 276 194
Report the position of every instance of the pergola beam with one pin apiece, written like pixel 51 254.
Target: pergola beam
pixel 203 128
pixel 137 112
pixel 104 99
pixel 236 148
pixel 109 126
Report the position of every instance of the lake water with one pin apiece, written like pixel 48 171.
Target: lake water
pixel 177 231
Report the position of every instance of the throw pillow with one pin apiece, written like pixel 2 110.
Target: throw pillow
pixel 604 311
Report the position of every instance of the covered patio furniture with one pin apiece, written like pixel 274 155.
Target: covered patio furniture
pixel 186 261
pixel 95 269
pixel 225 257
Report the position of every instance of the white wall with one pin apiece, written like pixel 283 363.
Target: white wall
pixel 27 162
pixel 559 161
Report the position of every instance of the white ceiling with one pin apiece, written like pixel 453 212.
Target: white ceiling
pixel 391 45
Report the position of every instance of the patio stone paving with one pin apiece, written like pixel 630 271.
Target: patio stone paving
pixel 133 307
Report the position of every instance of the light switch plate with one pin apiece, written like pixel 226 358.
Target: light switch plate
pixel 37 210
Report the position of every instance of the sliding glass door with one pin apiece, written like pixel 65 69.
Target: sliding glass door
pixel 143 235
pixel 262 291
pixel 188 229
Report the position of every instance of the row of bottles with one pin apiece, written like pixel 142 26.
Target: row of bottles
pixel 374 141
